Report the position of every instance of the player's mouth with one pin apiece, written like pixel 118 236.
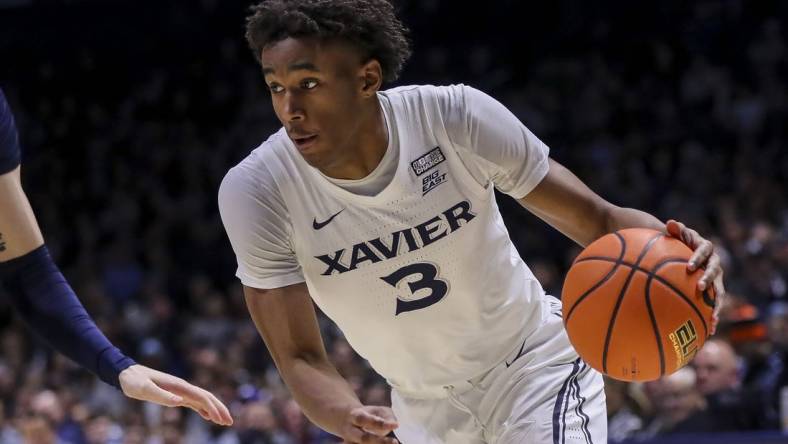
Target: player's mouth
pixel 303 142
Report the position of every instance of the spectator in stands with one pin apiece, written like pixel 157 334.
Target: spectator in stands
pixel 716 368
pixel 718 379
pixel 257 425
pixel 624 412
pixel 775 375
pixel 747 333
pixel 36 430
pixel 49 406
pixel 134 163
pixel 678 406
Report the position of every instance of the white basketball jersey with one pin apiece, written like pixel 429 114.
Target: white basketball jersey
pixel 422 277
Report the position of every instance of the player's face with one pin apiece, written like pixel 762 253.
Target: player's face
pixel 318 93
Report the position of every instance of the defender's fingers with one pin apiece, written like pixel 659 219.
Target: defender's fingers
pixel 197 399
pixel 153 393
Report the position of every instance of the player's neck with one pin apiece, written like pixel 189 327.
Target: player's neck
pixel 364 151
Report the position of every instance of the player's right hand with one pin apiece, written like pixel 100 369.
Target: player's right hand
pixel 369 425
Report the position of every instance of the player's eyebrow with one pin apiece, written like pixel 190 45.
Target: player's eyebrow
pixel 297 66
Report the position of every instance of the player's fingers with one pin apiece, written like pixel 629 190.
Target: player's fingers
pixel 353 436
pixel 372 423
pixel 719 301
pixel 369 438
pixel 361 418
pixel 719 293
pixel 690 237
pixel 364 438
pixel 674 228
pixel 386 413
pixel 704 250
pixel 713 270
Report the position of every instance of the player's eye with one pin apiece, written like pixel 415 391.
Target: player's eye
pixel 309 84
pixel 275 88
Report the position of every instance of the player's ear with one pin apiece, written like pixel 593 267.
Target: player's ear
pixel 372 78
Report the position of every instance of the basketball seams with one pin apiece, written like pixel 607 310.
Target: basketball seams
pixel 678 292
pixel 659 279
pixel 655 326
pixel 621 295
pixel 602 281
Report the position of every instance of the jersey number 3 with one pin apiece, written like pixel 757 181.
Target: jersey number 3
pixel 429 281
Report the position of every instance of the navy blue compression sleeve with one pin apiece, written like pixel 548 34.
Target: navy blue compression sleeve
pixel 46 302
pixel 9 139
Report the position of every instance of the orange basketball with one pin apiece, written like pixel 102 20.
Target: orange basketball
pixel 631 309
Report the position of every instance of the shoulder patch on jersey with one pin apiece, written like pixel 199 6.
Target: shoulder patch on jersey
pixel 428 161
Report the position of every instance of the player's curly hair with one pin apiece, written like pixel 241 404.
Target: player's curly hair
pixel 370 25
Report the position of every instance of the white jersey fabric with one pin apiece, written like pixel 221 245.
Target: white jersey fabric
pixel 421 277
pixel 377 180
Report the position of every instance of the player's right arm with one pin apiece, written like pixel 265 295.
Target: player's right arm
pixel 258 225
pixel 285 318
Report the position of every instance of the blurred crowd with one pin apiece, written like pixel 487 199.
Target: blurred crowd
pixel 130 113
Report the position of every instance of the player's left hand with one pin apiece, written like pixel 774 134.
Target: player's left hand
pixel 703 257
pixel 147 384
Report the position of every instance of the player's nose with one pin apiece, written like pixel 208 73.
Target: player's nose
pixel 292 108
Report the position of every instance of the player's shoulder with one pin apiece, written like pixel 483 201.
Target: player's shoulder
pixel 432 100
pixel 420 92
pixel 257 174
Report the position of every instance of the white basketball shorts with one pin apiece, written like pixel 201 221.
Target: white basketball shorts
pixel 543 393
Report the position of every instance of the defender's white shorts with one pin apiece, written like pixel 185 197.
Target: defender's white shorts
pixel 543 393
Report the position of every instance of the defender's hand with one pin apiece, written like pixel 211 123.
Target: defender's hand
pixel 704 257
pixel 369 425
pixel 146 384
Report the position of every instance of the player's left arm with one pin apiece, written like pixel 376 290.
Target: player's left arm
pixel 512 158
pixel 567 204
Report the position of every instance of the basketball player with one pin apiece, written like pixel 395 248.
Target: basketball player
pixel 379 206
pixel 46 302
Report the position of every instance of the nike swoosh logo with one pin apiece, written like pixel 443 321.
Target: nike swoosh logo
pixel 519 355
pixel 318 225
